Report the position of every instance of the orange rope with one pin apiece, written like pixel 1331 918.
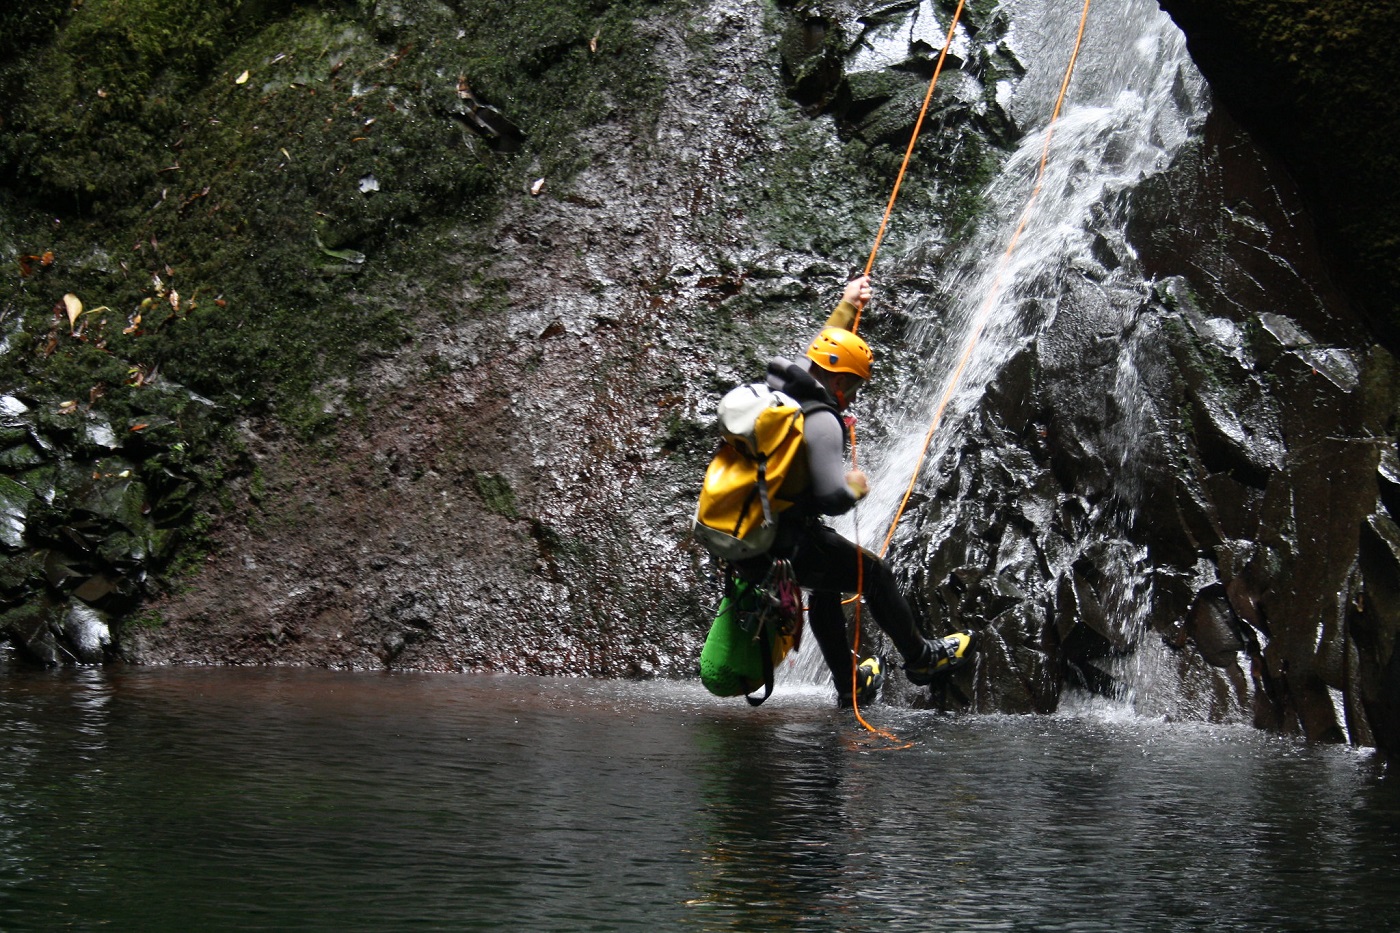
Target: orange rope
pixel 855 647
pixel 855 325
pixel 996 284
pixel 976 335
pixel 909 151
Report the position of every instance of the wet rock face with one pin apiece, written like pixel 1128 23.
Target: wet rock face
pixel 511 491
pixel 1292 406
pixel 1314 89
pixel 519 499
pixel 87 507
pixel 1223 521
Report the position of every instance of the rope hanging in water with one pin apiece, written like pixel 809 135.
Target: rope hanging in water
pixel 976 334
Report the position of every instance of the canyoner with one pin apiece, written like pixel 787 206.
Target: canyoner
pixel 780 468
pixel 766 555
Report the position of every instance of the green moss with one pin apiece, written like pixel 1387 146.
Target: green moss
pixel 257 486
pixel 686 439
pixel 1315 83
pixel 254 193
pixel 149 620
pixel 111 83
pixel 250 219
pixel 496 494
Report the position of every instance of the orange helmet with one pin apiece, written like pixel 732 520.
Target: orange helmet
pixel 840 351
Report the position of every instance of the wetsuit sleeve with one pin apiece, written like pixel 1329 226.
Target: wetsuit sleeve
pixel 844 315
pixel 826 461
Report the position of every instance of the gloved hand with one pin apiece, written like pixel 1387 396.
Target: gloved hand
pixel 858 484
pixel 857 291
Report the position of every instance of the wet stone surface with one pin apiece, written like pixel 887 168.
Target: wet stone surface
pixel 510 489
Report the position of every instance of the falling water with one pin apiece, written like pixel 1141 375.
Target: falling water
pixel 1133 101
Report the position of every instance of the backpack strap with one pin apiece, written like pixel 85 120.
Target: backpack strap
pixel 783 607
pixel 765 638
pixel 762 461
pixel 812 406
pixel 763 490
pixel 765 647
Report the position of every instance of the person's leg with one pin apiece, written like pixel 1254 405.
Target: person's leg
pixel 828 625
pixel 825 563
pixel 827 621
pixel 825 618
pixel 924 659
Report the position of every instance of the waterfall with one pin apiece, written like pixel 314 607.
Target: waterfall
pixel 1134 99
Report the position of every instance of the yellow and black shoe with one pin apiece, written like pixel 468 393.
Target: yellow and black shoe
pixel 943 656
pixel 870 677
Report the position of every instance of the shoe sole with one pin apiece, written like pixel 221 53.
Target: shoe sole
pixel 964 659
pixel 955 664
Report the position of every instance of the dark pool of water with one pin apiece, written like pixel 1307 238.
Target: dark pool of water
pixel 234 799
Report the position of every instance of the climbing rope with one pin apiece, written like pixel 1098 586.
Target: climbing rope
pixel 976 335
pixel 995 290
pixel 855 645
pixel 909 152
pixel 855 325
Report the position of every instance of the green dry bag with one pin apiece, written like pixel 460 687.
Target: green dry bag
pixel 755 628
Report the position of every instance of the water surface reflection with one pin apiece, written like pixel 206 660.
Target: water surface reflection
pixel 233 799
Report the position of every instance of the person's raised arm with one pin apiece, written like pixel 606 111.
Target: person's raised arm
pixel 855 297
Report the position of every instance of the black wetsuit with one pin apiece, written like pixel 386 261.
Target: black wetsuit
pixel 823 561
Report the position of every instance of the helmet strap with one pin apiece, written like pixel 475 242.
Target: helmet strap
pixel 838 384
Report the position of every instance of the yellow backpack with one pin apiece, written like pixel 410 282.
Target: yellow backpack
pixel 755 475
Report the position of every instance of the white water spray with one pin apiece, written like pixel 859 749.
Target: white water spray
pixel 1134 99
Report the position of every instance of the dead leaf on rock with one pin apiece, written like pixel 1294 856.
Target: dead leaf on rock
pixel 75 308
pixel 26 267
pixel 140 375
